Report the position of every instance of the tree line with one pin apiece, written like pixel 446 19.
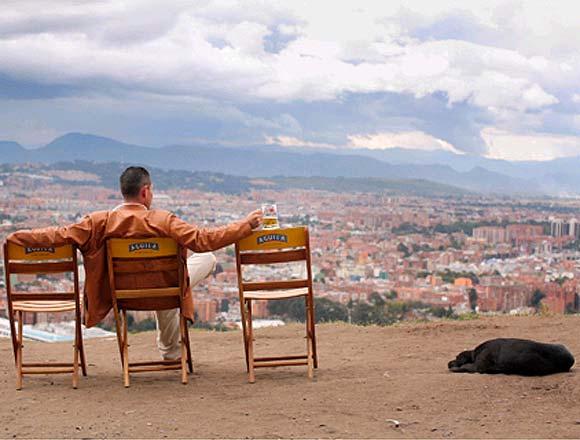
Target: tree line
pixel 378 310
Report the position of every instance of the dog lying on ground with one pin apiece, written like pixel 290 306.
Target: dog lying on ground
pixel 514 356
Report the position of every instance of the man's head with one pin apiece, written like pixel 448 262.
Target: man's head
pixel 136 186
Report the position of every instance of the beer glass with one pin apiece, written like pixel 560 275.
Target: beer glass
pixel 269 216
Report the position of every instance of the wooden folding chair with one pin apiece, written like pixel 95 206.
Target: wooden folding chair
pixel 37 260
pixel 135 257
pixel 271 247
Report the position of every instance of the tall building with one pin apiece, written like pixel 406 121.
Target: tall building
pixel 523 231
pixel 574 228
pixel 561 228
pixel 556 227
pixel 490 234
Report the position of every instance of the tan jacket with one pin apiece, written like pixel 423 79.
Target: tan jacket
pixel 128 221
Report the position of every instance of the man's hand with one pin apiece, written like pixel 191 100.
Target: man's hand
pixel 255 218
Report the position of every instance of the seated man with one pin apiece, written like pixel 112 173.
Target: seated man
pixel 134 218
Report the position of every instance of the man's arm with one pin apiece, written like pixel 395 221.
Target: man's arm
pixel 211 239
pixel 77 233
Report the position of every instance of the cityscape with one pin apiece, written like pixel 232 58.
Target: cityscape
pixel 431 149
pixel 443 256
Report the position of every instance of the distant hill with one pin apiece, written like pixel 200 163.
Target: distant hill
pixel 342 184
pixel 468 172
pixel 77 146
pixel 164 179
pixel 13 152
pixel 555 177
pixel 108 174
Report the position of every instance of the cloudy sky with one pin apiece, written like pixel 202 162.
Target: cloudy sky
pixel 494 78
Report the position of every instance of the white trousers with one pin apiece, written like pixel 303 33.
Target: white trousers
pixel 199 266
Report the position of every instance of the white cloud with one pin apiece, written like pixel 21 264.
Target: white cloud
pixel 416 140
pixel 140 118
pixel 290 141
pixel 514 60
pixel 179 57
pixel 28 131
pixel 537 146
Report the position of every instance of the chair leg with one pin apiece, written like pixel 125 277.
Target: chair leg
pixel 79 341
pixel 19 354
pixel 251 376
pixel 82 351
pixel 75 377
pixel 14 336
pixel 310 357
pixel 309 350
pixel 118 325
pixel 183 328
pixel 188 346
pixel 243 312
pixel 125 352
pixel 311 319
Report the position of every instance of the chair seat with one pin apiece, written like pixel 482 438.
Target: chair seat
pixel 43 306
pixel 276 294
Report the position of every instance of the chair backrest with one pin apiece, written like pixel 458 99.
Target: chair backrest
pixel 271 247
pixel 145 257
pixel 39 260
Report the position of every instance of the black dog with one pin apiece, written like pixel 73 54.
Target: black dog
pixel 514 356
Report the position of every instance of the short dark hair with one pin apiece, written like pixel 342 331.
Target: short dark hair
pixel 132 180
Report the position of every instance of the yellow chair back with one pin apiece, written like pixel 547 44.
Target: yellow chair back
pixel 154 247
pixel 274 239
pixel 39 253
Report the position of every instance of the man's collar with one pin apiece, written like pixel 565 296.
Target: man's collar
pixel 131 205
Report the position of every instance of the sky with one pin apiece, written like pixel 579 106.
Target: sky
pixel 498 79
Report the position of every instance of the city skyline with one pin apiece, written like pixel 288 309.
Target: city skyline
pixel 437 252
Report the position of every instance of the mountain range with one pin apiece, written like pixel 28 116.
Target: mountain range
pixel 473 173
pixel 107 174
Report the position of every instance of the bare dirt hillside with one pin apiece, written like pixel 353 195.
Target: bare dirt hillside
pixel 367 375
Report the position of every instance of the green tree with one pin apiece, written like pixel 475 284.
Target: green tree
pixel 396 311
pixel 364 314
pixel 141 326
pixel 442 312
pixel 376 299
pixel 472 299
pixel 294 309
pixel 537 297
pixel 327 310
pixel 561 280
pixel 455 244
pixel 404 249
pixel 449 276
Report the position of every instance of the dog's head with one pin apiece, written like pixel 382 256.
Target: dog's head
pixel 465 357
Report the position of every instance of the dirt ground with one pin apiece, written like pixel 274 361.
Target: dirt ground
pixel 367 375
